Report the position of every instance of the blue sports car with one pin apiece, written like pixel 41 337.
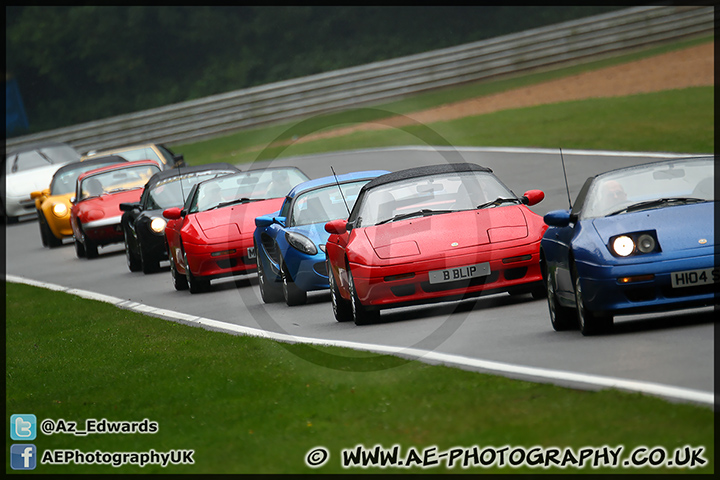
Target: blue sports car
pixel 290 243
pixel 638 240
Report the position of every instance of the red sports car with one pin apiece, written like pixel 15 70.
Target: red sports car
pixel 95 214
pixel 212 235
pixel 430 234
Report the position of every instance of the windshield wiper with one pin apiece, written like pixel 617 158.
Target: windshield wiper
pixel 425 212
pixel 234 202
pixel 497 201
pixel 656 203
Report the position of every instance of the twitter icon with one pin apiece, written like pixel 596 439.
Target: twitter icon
pixel 23 426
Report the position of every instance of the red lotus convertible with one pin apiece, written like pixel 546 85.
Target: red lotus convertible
pixel 430 234
pixel 95 214
pixel 212 235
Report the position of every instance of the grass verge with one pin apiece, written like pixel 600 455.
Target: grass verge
pixel 250 405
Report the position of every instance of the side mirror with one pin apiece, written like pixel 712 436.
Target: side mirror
pixel 280 220
pixel 179 159
pixel 336 226
pixel 557 218
pixel 532 197
pixel 263 221
pixel 172 213
pixel 128 207
pixel 37 194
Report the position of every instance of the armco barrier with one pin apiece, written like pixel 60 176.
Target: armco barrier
pixel 575 41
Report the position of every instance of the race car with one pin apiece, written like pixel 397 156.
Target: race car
pixel 290 243
pixel 95 214
pixel 142 222
pixel 53 203
pixel 212 235
pixel 638 239
pixel 429 234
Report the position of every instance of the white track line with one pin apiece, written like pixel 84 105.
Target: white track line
pixel 677 393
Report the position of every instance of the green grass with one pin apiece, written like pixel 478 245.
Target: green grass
pixel 250 405
pixel 674 121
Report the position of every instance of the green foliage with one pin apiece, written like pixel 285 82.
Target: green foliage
pixel 251 405
pixel 82 63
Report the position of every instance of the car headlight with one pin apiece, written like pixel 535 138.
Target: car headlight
pixel 301 243
pixel 157 224
pixel 646 243
pixel 59 210
pixel 623 245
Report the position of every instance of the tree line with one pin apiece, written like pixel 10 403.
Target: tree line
pixel 82 63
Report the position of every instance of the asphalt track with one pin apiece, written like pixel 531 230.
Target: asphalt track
pixel 669 355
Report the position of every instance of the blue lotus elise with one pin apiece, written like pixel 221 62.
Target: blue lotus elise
pixel 290 243
pixel 637 240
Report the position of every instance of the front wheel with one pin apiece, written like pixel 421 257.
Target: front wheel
pixel 179 281
pixel 292 293
pixel 361 314
pixel 133 262
pixel 590 323
pixel 195 284
pixel 342 309
pixel 561 318
pixel 270 291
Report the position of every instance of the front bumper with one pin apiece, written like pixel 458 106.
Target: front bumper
pixel 604 293
pixel 221 259
pixel 377 286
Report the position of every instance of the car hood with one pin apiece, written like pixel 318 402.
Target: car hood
pixel 235 219
pixel 22 183
pixel 106 206
pixel 678 227
pixel 455 231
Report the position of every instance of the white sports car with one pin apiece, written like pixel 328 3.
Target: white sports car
pixel 29 169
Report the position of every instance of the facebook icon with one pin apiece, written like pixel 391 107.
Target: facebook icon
pixel 22 457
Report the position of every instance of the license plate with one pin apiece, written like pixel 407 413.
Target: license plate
pixel 690 278
pixel 251 252
pixel 460 273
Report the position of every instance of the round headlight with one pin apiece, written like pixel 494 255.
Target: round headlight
pixel 623 245
pixel 59 209
pixel 646 243
pixel 157 225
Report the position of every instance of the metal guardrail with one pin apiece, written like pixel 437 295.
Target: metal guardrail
pixel 575 41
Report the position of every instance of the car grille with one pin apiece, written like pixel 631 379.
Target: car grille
pixel 270 247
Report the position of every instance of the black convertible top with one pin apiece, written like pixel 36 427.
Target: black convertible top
pixel 105 160
pixel 177 172
pixel 424 172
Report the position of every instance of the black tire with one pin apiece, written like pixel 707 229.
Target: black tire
pixel 133 262
pixel 589 323
pixel 292 294
pixel 43 229
pixel 342 309
pixel 149 265
pixel 361 314
pixel 195 284
pixel 270 291
pixel 91 248
pixel 561 318
pixel 79 248
pixel 179 281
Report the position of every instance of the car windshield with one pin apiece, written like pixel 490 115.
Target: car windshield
pixel 173 191
pixel 143 153
pixel 324 204
pixel 64 182
pixel 41 157
pixel 127 178
pixel 247 186
pixel 650 186
pixel 429 195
